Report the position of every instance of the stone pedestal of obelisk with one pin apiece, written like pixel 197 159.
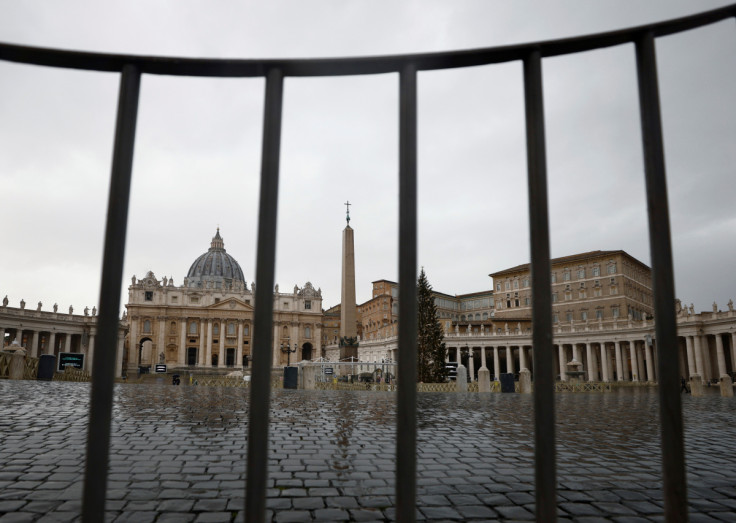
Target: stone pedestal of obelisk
pixel 348 313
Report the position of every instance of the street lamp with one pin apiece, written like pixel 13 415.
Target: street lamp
pixel 285 348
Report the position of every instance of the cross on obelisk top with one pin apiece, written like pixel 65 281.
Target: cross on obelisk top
pixel 347 214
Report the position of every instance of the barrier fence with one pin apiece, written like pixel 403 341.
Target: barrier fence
pixel 406 66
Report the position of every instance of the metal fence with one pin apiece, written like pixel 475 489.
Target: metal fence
pixel 407 66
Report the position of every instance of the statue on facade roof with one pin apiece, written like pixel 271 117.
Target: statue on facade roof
pixel 692 309
pixel 39 306
pixel 730 305
pixel 166 281
pixel 133 279
pixel 715 307
pixel 5 301
pixel 71 309
pixel 22 303
pixel 86 311
pixel 94 311
pixel 56 307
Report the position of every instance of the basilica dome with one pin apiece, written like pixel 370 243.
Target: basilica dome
pixel 215 266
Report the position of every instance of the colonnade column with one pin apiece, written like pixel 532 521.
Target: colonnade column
pixel 51 343
pixel 496 364
pixel 699 369
pixel 604 362
pixel 222 338
pixel 67 342
pixel 691 369
pixel 575 352
pixel 2 337
pixel 90 352
pixel 721 356
pixel 239 350
pixel 132 345
pixel 208 354
pixel 34 344
pixel 509 359
pixel 522 358
pixel 641 362
pixel 563 362
pixel 471 365
pixel 650 365
pixel 619 362
pixel 733 351
pixel 201 357
pixel 634 361
pixel 483 358
pixel 589 356
pixel 276 348
pixel 181 361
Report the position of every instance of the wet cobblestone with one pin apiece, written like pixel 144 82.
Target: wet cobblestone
pixel 178 454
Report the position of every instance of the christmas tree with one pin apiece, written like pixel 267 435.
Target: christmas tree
pixel 430 347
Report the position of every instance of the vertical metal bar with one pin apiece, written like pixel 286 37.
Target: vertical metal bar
pixel 670 409
pixel 103 370
pixel 406 426
pixel 543 357
pixel 260 392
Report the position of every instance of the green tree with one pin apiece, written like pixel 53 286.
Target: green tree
pixel 430 347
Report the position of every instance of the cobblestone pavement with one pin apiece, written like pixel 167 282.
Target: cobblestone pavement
pixel 178 454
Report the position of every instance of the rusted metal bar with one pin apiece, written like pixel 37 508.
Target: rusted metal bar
pixel 352 66
pixel 406 409
pixel 670 408
pixel 260 392
pixel 543 356
pixel 103 367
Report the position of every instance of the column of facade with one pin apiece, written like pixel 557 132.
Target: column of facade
pixel 295 339
pixel 208 346
pixel 133 344
pixel 317 353
pixel 634 361
pixel 239 350
pixel 575 352
pixel 733 351
pixel 604 362
pixel 222 338
pixel 691 369
pixel 182 355
pixel 2 337
pixel 496 364
pixel 707 366
pixel 509 359
pixel 471 364
pixel 202 355
pixel 120 348
pixel 619 361
pixel 161 340
pixel 522 358
pixel 649 362
pixel 276 347
pixel 563 362
pixel 34 344
pixel 51 343
pixel 68 342
pixel 721 356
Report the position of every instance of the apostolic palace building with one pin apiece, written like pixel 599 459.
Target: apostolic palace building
pixel 602 317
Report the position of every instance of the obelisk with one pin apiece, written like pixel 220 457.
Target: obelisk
pixel 348 313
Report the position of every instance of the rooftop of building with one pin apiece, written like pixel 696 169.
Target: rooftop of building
pixel 583 256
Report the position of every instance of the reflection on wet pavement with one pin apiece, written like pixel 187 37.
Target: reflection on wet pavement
pixel 179 453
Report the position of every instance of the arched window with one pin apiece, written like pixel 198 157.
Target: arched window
pixel 172 330
pixel 231 329
pixel 147 326
pixel 193 327
pixel 307 332
pixel 216 329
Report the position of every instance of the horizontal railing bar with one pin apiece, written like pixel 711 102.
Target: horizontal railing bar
pixel 212 67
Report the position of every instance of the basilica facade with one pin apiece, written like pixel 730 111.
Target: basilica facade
pixel 207 322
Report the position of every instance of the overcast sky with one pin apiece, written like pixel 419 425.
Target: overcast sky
pixel 197 152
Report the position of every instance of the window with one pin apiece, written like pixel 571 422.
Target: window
pixel 612 268
pixel 584 315
pixel 516 302
pixel 216 329
pixel 307 304
pixel 193 327
pixel 231 329
pixel 568 295
pixel 597 292
pixel 582 294
pixel 554 277
pixel 596 271
pixel 286 305
pixel 498 286
pixel 554 297
pixel 149 295
pixel 526 301
pixel 147 327
pixel 508 285
pixel 581 274
pixel 615 312
pixel 217 300
pixel 247 302
pixel 194 299
pixel 516 284
pixel 599 314
pixel 246 330
pixel 172 330
pixel 568 316
pixel 614 290
pixel 555 318
pixel 307 332
pixel 526 282
pixel 175 299
pixel 566 276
